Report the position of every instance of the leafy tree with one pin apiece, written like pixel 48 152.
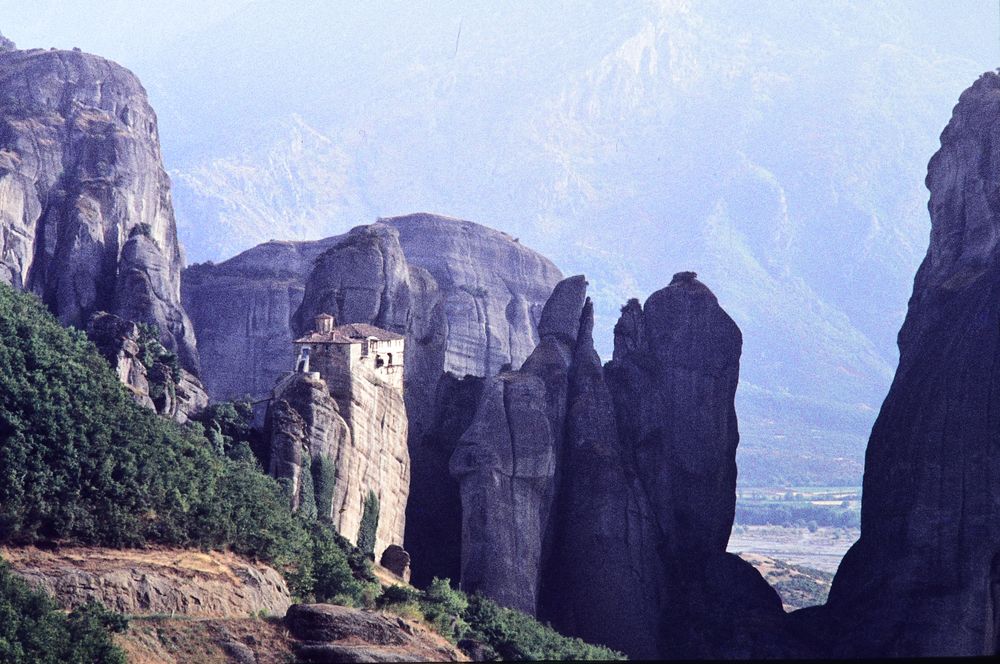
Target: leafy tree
pixel 369 525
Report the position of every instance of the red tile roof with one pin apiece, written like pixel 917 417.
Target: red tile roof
pixel 351 333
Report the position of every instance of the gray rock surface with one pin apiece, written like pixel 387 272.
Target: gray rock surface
pixel 601 498
pixel 673 380
pixel 305 431
pixel 156 387
pixel 86 220
pixel 468 299
pixel 507 460
pixel 924 579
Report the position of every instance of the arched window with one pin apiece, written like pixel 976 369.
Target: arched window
pixel 390 359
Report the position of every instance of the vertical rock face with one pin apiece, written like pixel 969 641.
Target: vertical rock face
pixel 86 220
pixel 333 444
pixel 673 379
pixel 493 289
pixel 308 442
pixel 364 277
pixel 924 579
pixel 506 462
pixel 604 579
pixel 601 498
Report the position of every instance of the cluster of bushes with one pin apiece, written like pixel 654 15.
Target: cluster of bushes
pixel 479 623
pixel 34 631
pixel 783 514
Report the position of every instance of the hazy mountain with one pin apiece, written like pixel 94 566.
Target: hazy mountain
pixel 777 148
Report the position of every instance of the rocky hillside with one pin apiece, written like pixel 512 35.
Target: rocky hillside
pixel 86 220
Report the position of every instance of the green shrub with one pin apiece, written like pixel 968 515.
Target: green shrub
pixel 369 525
pixel 444 608
pixel 324 472
pixel 34 631
pixel 397 594
pixel 516 636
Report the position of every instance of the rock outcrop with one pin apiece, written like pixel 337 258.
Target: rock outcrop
pixel 506 462
pixel 333 444
pixel 924 579
pixel 6 44
pixel 601 498
pixel 169 390
pixel 86 220
pixel 328 633
pixel 308 443
pixel 182 582
pixel 467 299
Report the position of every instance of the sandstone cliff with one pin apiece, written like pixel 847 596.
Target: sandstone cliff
pixel 86 220
pixel 924 579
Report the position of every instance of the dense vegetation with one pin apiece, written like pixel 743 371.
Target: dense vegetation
pixel 480 623
pixel 81 462
pixel 34 631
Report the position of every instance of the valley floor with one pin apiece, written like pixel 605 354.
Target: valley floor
pixel 822 549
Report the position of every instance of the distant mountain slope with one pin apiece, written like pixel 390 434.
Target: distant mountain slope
pixel 776 148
